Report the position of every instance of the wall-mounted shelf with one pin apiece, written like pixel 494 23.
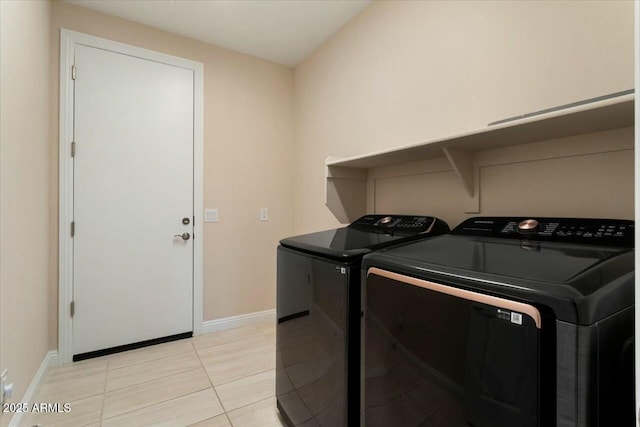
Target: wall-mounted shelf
pixel 346 178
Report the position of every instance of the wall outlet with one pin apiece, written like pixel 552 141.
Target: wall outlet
pixel 264 214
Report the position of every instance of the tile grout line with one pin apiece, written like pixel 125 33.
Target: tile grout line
pixel 242 378
pixel 104 393
pixel 252 403
pixel 265 335
pixel 224 410
pixel 226 413
pixel 246 376
pixel 229 342
pixel 159 403
pixel 47 380
pixel 182 371
pixel 155 403
pixel 153 359
pixel 227 359
pixel 209 379
pixel 81 397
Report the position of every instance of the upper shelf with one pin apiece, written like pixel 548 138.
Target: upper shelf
pixel 591 117
pixel 346 178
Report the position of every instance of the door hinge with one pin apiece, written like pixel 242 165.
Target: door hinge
pixel 73 72
pixel 73 148
pixel 73 228
pixel 72 308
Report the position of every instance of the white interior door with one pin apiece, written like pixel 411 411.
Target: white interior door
pixel 132 188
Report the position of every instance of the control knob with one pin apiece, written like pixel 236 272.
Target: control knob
pixel 386 220
pixel 528 226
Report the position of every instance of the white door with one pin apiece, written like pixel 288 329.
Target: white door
pixel 132 194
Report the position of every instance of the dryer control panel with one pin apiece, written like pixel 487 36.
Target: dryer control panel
pixel 594 231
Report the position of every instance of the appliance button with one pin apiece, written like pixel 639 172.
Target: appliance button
pixel 528 226
pixel 386 220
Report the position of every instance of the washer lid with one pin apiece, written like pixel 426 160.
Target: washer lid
pixel 342 243
pixel 368 233
pixel 543 262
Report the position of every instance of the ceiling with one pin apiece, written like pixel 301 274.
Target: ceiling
pixel 282 31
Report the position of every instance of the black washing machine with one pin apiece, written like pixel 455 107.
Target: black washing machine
pixel 502 322
pixel 318 310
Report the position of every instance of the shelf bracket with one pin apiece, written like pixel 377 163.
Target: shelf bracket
pixel 464 165
pixel 345 193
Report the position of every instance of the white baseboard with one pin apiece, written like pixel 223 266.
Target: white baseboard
pixel 237 321
pixel 50 359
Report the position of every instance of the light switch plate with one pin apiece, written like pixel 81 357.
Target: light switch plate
pixel 211 215
pixel 264 214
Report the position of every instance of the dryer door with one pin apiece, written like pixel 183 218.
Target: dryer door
pixel 443 356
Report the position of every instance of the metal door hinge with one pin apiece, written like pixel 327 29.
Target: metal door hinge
pixel 72 308
pixel 73 228
pixel 73 72
pixel 73 149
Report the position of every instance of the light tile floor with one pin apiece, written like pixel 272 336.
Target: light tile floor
pixel 221 379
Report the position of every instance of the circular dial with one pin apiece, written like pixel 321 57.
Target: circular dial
pixel 386 220
pixel 528 225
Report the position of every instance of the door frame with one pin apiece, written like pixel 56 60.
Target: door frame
pixel 68 41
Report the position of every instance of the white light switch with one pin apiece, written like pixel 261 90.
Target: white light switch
pixel 264 214
pixel 211 215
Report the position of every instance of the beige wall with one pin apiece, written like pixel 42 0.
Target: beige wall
pixel 584 176
pixel 24 191
pixel 406 72
pixel 248 131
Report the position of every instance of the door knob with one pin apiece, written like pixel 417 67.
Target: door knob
pixel 183 236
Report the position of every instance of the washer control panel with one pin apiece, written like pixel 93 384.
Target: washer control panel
pixel 394 223
pixel 606 232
